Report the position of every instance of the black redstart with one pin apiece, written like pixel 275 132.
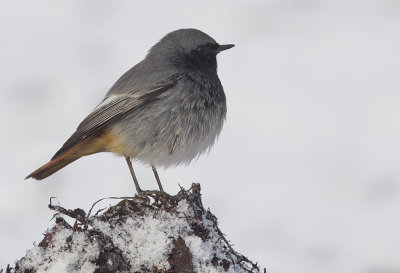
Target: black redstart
pixel 166 110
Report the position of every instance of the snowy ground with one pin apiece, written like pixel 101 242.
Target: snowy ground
pixel 312 134
pixel 171 234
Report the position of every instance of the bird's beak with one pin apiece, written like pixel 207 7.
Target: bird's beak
pixel 223 47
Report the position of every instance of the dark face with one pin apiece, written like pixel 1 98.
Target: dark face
pixel 203 57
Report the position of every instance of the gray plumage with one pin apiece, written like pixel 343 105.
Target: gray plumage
pixel 169 108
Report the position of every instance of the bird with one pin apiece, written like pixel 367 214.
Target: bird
pixel 165 111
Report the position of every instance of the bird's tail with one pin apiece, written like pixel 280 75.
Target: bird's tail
pixel 93 144
pixel 51 167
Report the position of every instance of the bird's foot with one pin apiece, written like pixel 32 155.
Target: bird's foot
pixel 151 193
pixel 144 196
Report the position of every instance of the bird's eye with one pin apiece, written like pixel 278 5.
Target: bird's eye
pixel 201 49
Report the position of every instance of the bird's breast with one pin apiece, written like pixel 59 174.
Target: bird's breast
pixel 177 127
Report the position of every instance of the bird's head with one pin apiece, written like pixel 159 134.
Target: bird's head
pixel 189 49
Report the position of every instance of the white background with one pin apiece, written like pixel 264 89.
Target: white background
pixel 305 176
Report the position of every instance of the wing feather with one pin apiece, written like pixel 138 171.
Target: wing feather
pixel 115 107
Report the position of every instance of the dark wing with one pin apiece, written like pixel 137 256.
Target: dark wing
pixel 114 107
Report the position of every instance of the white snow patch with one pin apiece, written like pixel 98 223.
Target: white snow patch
pixel 61 256
pixel 147 240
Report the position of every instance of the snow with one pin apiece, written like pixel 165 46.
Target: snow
pixel 145 240
pixel 75 256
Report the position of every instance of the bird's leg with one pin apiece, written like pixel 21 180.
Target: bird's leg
pixel 129 162
pixel 157 178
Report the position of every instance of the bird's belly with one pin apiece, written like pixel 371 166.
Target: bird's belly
pixel 169 138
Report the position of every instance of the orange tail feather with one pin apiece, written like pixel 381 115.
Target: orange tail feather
pixel 96 143
pixel 51 167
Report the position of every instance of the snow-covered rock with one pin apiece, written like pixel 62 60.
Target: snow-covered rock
pixel 159 233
